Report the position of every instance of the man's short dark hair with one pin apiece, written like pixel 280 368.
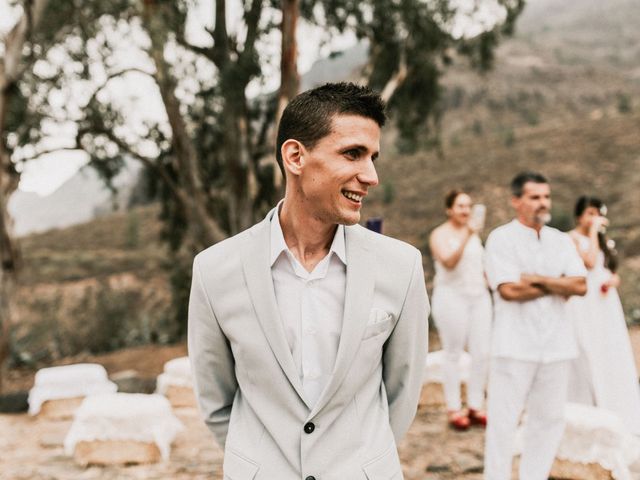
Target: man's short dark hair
pixel 309 115
pixel 518 182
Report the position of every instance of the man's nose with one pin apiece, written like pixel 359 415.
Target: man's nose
pixel 368 175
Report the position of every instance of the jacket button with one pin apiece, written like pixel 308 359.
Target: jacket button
pixel 310 477
pixel 309 428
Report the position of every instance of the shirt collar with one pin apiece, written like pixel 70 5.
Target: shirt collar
pixel 278 245
pixel 528 231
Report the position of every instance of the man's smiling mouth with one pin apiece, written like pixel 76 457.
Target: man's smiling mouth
pixel 352 196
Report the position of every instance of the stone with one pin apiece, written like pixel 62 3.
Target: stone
pixel 16 402
pixel 438 468
pixel 130 381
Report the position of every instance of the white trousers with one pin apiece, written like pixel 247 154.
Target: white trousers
pixel 541 388
pixel 463 320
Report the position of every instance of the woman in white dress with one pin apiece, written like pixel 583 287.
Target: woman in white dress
pixel 461 307
pixel 605 375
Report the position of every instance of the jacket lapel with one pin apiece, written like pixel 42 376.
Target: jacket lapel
pixel 257 271
pixel 357 303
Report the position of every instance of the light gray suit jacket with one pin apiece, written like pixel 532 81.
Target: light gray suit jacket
pixel 249 391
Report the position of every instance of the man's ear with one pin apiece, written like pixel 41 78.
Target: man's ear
pixel 515 201
pixel 292 156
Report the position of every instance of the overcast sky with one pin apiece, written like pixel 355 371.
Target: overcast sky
pixel 49 172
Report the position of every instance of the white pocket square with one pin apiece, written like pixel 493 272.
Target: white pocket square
pixel 377 315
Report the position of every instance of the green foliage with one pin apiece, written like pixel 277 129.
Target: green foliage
pixel 101 320
pixel 477 128
pixel 101 316
pixel 180 279
pixel 411 34
pixel 530 116
pixel 509 137
pixel 388 192
pixel 133 231
pixel 455 98
pixel 561 219
pixel 623 102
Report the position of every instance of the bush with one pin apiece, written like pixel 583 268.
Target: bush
pixel 509 137
pixel 105 320
pixel 624 103
pixel 561 219
pixel 388 192
pixel 477 128
pixel 132 234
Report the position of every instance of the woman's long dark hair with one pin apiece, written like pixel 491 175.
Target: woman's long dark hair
pixel 610 254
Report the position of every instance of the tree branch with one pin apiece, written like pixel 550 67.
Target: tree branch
pixel 125 147
pixel 49 151
pixel 207 52
pixel 396 80
pixel 16 38
pixel 114 75
pixel 253 20
pixel 220 35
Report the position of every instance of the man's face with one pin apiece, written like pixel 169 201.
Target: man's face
pixel 338 172
pixel 534 206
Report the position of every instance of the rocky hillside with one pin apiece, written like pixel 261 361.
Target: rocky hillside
pixel 563 99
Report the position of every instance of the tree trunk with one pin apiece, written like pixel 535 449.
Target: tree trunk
pixel 203 227
pixel 289 78
pixel 10 72
pixel 237 152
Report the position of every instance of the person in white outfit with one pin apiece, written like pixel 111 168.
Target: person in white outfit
pixel 605 374
pixel 532 270
pixel 461 307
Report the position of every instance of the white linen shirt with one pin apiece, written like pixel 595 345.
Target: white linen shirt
pixel 537 330
pixel 311 306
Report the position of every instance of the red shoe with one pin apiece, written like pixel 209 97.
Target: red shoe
pixel 477 417
pixel 459 420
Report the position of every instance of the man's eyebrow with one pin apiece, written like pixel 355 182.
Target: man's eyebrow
pixel 360 148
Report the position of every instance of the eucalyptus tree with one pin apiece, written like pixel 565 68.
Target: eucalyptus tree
pixel 208 154
pixel 207 148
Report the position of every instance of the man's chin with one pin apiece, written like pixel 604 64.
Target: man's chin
pixel 351 219
pixel 543 218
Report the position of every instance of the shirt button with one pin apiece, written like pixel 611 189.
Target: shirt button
pixel 310 477
pixel 309 428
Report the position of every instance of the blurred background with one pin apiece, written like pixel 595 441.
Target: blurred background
pixel 134 134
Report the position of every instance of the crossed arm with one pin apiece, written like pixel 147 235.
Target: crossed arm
pixel 531 287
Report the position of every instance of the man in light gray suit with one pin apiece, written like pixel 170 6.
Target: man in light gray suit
pixel 307 332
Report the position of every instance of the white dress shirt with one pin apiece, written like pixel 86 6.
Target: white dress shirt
pixel 536 330
pixel 311 306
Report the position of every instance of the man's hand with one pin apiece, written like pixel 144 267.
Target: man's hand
pixel 563 286
pixel 537 281
pixel 522 291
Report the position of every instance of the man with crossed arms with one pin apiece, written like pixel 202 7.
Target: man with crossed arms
pixel 532 270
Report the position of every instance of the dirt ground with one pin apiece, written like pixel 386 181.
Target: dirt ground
pixel 31 448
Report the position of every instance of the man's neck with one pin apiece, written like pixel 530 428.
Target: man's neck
pixel 532 225
pixel 308 238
